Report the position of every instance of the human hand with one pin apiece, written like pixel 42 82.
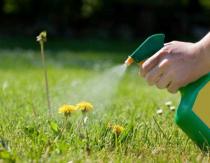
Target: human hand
pixel 175 65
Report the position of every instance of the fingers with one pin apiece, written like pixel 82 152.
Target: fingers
pixel 154 74
pixel 170 43
pixel 157 70
pixel 162 77
pixel 150 63
pixel 173 88
pixel 164 81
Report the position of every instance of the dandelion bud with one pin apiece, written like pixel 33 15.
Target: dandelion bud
pixel 168 103
pixel 42 37
pixel 159 112
pixel 172 108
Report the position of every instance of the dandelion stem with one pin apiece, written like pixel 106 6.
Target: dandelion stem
pixel 46 77
pixel 86 134
pixel 115 138
pixel 87 142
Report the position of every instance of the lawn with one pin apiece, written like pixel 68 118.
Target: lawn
pixel 76 72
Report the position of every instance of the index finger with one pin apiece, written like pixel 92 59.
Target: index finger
pixel 151 62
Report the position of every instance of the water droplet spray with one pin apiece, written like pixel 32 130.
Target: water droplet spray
pixel 98 90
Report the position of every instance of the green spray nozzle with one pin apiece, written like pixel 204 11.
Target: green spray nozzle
pixel 150 46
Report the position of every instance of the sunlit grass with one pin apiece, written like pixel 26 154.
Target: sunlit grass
pixel 28 134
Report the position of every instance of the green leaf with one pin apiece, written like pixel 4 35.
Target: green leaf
pixel 6 156
pixel 54 126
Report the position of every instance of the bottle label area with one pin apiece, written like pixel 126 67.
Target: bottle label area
pixel 202 105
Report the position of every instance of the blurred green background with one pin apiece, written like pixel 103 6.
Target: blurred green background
pixel 105 19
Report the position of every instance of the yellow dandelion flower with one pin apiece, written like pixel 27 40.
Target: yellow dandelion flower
pixel 85 106
pixel 117 129
pixel 67 109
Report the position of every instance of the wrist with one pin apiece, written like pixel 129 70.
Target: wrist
pixel 203 52
pixel 204 45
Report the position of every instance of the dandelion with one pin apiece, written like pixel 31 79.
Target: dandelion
pixel 67 109
pixel 117 129
pixel 42 38
pixel 168 103
pixel 85 106
pixel 172 108
pixel 159 112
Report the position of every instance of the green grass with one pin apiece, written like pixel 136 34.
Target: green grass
pixel 27 134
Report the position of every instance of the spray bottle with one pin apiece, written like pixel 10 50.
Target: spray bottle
pixel 193 113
